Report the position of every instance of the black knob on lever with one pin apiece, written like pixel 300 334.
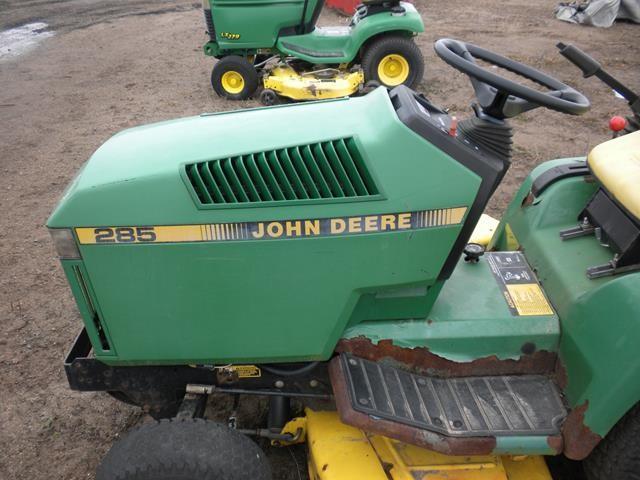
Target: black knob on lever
pixel 584 62
pixel 473 252
pixel 591 67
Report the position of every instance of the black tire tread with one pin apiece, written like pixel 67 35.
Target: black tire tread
pixel 242 65
pixel 617 456
pixel 387 44
pixel 177 449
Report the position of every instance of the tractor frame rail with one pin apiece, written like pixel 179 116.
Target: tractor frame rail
pixel 85 373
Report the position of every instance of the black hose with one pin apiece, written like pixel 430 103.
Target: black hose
pixel 290 373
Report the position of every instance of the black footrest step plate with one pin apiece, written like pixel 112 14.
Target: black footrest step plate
pixel 459 407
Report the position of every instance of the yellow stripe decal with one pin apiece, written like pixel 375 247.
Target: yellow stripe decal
pixel 318 227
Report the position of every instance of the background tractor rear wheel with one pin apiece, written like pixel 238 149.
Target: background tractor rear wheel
pixel 234 77
pixel 617 456
pixel 187 449
pixel 393 61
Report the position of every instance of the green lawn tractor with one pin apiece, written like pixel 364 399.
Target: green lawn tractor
pixel 336 253
pixel 277 45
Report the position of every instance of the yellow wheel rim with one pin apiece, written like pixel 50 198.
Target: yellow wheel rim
pixel 393 70
pixel 232 82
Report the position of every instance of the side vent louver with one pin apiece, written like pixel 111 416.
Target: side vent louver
pixel 327 170
pixel 91 310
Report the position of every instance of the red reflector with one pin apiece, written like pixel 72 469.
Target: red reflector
pixel 617 123
pixel 453 127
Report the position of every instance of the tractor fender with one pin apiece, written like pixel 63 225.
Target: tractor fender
pixel 332 45
pixel 379 25
pixel 598 366
pixel 373 38
pixel 599 363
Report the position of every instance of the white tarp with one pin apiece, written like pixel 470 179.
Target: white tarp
pixel 599 13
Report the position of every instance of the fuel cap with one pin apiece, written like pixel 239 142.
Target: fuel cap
pixel 473 252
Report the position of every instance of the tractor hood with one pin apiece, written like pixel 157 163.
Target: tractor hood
pixel 259 235
pixel 137 176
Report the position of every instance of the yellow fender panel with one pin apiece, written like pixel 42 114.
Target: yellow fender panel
pixel 285 81
pixel 340 452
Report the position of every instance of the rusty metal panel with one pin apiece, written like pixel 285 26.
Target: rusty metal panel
pixel 457 407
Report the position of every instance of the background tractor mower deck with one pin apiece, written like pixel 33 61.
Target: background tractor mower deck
pixel 278 46
pixel 312 262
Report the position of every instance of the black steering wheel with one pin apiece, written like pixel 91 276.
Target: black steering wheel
pixel 502 98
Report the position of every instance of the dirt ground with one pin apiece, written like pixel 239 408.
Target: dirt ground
pixel 115 64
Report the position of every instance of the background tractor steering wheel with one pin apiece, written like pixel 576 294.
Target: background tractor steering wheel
pixel 500 97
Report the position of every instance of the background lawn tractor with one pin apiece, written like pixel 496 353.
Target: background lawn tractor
pixel 276 44
pixel 301 257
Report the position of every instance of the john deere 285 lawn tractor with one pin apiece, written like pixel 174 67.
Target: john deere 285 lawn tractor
pixel 336 252
pixel 276 44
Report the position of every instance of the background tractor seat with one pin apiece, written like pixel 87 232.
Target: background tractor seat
pixel 616 164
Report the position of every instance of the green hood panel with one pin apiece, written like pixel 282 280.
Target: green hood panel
pixel 192 299
pixel 135 178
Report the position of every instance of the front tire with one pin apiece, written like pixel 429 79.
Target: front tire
pixel 234 77
pixel 617 456
pixel 185 449
pixel 393 61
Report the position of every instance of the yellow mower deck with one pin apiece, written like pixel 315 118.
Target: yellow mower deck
pixel 340 452
pixel 286 82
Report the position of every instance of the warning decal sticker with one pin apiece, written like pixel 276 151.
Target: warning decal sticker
pixel 247 371
pixel 518 283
